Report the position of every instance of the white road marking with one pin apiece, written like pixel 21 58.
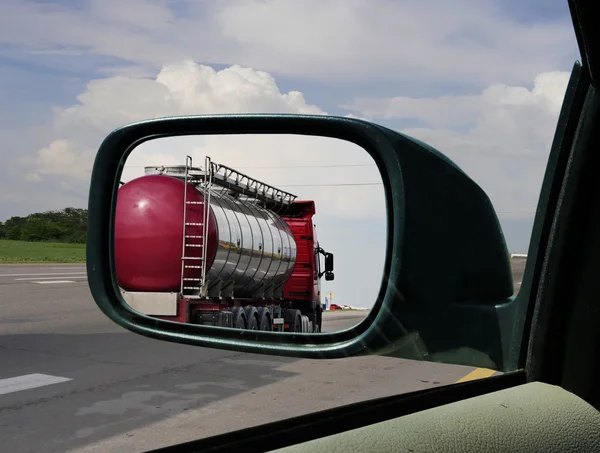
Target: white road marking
pixel 48 278
pixel 52 273
pixel 28 382
pixel 44 282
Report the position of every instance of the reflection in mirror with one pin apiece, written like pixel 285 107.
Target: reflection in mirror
pixel 241 231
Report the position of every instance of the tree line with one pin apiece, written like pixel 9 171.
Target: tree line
pixel 68 225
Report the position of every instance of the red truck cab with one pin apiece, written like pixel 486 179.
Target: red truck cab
pixel 304 286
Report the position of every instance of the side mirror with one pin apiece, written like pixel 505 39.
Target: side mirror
pixel 446 286
pixel 328 264
pixel 329 276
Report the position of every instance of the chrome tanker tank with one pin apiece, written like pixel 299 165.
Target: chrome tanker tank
pixel 250 250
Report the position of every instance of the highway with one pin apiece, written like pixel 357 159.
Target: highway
pixel 72 381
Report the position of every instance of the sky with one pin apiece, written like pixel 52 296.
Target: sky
pixel 480 80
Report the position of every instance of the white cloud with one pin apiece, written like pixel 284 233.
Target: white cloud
pixel 182 89
pixel 501 137
pixel 64 158
pixel 335 41
pixel 197 88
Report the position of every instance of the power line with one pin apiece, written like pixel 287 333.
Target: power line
pixel 315 166
pixel 486 155
pixel 342 184
pixel 325 166
pixel 279 167
pixel 331 185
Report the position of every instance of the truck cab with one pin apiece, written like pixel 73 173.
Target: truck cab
pixel 303 288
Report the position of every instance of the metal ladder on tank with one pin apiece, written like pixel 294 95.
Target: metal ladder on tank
pixel 199 290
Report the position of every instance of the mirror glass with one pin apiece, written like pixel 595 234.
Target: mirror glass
pixel 282 233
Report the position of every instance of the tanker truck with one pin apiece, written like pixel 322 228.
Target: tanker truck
pixel 214 246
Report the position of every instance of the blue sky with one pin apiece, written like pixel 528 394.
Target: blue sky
pixel 458 75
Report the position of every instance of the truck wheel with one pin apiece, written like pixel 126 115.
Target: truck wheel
pixel 253 324
pixel 251 318
pixel 239 318
pixel 293 318
pixel 264 319
pixel 298 324
pixel 305 322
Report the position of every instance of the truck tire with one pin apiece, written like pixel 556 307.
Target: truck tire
pixel 296 324
pixel 264 319
pixel 293 318
pixel 239 318
pixel 305 322
pixel 251 317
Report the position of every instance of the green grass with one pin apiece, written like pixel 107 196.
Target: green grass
pixel 40 252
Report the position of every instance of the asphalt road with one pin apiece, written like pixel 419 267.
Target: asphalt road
pixel 72 381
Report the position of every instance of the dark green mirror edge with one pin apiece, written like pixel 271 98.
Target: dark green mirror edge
pixel 108 167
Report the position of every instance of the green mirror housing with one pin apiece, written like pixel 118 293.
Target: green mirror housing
pixel 447 284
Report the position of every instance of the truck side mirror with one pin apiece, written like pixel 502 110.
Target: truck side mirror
pixel 328 264
pixel 329 276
